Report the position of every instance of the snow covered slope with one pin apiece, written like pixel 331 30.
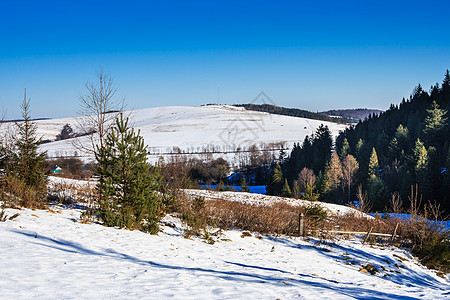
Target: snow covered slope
pixel 258 199
pixel 51 255
pixel 194 129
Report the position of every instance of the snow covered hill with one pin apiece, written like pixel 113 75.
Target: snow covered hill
pixel 196 129
pixel 49 254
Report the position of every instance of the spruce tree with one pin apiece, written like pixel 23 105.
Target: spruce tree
pixel 322 183
pixel 376 192
pixel 435 122
pixel 128 184
pixel 28 164
pixel 394 149
pixel 321 146
pixel 422 170
pixel 286 190
pixel 420 156
pixel 359 147
pixel 244 185
pixel 344 149
pixel 276 182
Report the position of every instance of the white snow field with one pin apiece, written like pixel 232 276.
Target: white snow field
pixel 194 129
pixel 49 254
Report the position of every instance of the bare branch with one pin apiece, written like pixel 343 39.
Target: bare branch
pixel 364 203
pixel 414 201
pixel 435 210
pixel 396 203
pixel 99 108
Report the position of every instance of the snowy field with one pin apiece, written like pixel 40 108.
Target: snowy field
pixel 49 254
pixel 265 200
pixel 194 129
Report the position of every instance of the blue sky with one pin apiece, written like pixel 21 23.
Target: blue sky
pixel 313 55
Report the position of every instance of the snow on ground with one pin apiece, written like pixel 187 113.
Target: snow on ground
pixel 258 199
pixel 49 254
pixel 193 129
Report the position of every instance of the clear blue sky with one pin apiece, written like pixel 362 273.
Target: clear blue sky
pixel 314 55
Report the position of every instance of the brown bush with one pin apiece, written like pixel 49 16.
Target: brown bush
pixel 15 191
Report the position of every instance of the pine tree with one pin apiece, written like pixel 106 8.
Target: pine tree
pixel 435 122
pixel 399 143
pixel 286 190
pixel 296 191
pixel 374 167
pixel 422 170
pixel 244 185
pixel 276 182
pixel 394 149
pixel 376 192
pixel 310 193
pixel 420 156
pixel 220 186
pixel 344 149
pixel 28 163
pixel 128 184
pixel 322 183
pixel 322 144
pixel 359 147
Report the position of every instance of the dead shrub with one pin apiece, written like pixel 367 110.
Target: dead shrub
pixel 15 191
pixel 396 203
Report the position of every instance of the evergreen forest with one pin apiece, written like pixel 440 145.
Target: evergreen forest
pixel 384 159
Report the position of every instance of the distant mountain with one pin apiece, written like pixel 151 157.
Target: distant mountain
pixel 354 114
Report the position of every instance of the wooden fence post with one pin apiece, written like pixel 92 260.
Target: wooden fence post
pixel 300 224
pixel 393 235
pixel 367 236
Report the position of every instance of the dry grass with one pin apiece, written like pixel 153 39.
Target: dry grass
pixel 70 193
pixel 281 218
pixel 15 192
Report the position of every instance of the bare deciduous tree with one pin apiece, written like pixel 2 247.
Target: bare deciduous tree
pixel 7 133
pixel 396 203
pixel 99 107
pixel 364 203
pixel 435 210
pixel 349 168
pixel 306 178
pixel 414 201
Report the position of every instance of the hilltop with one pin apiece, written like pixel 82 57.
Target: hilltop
pixel 196 130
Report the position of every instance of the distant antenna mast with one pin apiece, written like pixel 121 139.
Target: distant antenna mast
pixel 218 99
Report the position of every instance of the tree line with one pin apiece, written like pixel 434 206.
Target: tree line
pixel 381 158
pixel 294 112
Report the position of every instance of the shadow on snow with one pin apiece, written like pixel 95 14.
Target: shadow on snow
pixel 349 289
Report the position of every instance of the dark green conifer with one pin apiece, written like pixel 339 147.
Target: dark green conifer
pixel 128 184
pixel 344 149
pixel 28 162
pixel 435 122
pixel 286 190
pixel 276 182
pixel 244 185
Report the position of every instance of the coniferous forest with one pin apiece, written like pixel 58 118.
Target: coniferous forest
pixel 383 160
